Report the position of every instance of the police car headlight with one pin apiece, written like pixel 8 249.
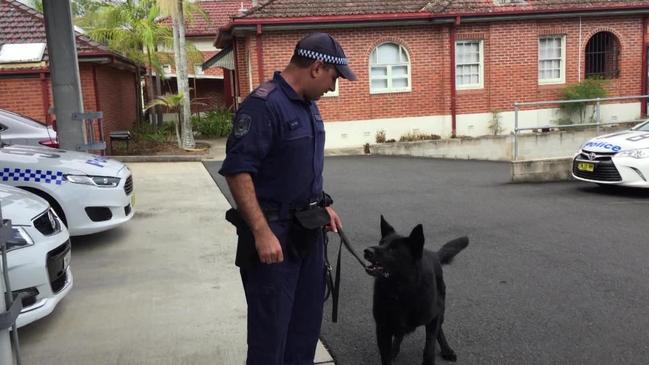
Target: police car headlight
pixel 19 239
pixel 102 181
pixel 637 153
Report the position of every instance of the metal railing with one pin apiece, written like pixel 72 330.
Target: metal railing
pixel 597 112
pixel 10 307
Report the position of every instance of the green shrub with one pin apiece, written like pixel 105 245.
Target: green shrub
pixel 145 132
pixel 214 123
pixel 587 89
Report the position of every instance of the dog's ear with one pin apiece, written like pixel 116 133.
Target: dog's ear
pixel 386 228
pixel 416 239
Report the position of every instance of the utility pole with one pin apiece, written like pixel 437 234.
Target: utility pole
pixel 64 71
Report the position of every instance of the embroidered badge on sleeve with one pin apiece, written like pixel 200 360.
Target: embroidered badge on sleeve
pixel 241 125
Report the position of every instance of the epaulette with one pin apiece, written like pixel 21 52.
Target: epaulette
pixel 264 90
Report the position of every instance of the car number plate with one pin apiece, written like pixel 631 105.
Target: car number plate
pixel 66 259
pixel 585 166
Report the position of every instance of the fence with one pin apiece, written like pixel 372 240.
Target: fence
pixel 597 116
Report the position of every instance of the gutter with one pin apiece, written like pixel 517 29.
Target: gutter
pixel 24 71
pixel 644 69
pixel 451 44
pixel 260 54
pixel 420 18
pixel 45 97
pixel 96 87
pixel 236 74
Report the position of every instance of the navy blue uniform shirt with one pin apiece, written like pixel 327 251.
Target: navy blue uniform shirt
pixel 278 138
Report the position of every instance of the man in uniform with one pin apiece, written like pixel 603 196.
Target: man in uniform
pixel 273 166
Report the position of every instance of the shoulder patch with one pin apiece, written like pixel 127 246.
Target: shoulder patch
pixel 241 125
pixel 264 90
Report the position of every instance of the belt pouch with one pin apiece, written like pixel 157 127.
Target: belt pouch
pixel 305 227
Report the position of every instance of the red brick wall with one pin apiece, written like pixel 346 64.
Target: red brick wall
pixel 205 93
pixel 23 94
pixel 117 98
pixel 510 65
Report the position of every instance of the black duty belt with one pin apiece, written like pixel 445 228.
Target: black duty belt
pixel 333 283
pixel 273 214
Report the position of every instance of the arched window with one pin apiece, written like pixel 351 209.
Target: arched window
pixel 389 69
pixel 602 53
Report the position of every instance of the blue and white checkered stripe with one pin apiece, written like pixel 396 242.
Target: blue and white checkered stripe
pixel 322 57
pixel 46 176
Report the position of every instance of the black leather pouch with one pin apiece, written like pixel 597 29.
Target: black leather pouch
pixel 306 225
pixel 313 218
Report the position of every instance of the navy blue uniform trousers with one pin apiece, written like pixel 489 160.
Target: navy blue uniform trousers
pixel 285 304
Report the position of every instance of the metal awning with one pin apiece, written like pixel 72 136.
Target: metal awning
pixel 225 59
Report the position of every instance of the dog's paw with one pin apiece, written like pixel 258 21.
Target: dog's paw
pixel 449 356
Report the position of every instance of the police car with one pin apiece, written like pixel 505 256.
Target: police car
pixel 38 253
pixel 90 193
pixel 620 158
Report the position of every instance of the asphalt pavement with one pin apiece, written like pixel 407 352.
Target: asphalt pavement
pixel 554 273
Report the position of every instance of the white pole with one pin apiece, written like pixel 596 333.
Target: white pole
pixel 6 357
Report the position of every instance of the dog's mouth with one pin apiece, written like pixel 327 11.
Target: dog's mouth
pixel 376 270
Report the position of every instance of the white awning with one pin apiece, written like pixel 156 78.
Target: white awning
pixel 224 59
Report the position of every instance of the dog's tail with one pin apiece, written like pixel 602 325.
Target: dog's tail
pixel 452 248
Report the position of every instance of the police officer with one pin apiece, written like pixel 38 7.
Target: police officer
pixel 273 166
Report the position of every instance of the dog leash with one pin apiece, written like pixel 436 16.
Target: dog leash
pixel 333 284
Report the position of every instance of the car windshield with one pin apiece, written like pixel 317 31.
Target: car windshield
pixel 21 118
pixel 642 126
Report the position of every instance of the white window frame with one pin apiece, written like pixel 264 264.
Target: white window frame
pixel 480 84
pixel 562 67
pixel 388 76
pixel 332 93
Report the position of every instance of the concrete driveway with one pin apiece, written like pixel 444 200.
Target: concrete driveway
pixel 159 290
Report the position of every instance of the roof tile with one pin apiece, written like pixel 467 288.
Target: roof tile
pixel 218 13
pixel 21 24
pixel 301 8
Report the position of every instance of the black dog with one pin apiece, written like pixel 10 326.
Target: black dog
pixel 409 290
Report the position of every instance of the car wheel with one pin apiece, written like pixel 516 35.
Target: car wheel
pixel 53 203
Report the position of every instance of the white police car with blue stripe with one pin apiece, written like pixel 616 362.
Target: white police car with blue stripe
pixel 90 193
pixel 38 254
pixel 620 158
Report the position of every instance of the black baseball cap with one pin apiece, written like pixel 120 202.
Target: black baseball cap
pixel 323 47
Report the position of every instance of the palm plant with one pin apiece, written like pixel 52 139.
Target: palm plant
pixel 131 27
pixel 173 102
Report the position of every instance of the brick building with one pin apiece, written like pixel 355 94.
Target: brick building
pixel 210 86
pixel 108 80
pixel 444 66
